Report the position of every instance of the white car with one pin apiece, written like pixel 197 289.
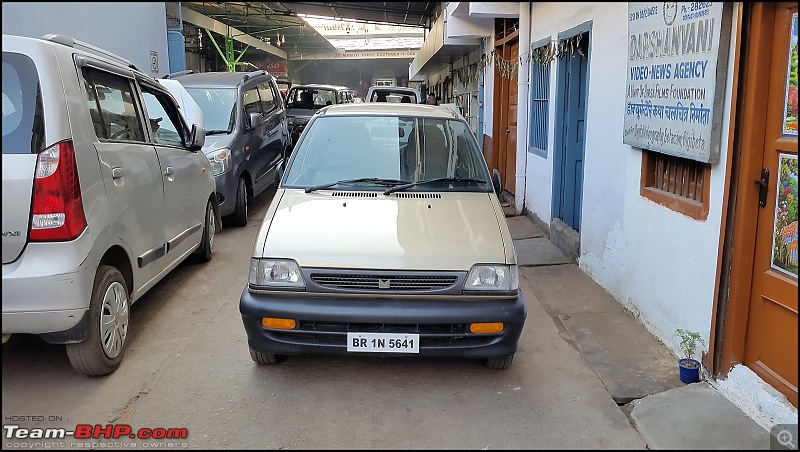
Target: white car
pixel 105 191
pixel 393 94
pixel 189 108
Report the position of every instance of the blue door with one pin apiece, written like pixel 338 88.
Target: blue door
pixel 571 132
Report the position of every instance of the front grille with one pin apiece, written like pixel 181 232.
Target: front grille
pixel 397 283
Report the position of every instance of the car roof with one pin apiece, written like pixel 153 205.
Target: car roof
pixel 391 109
pixel 217 79
pixel 320 86
pixel 393 87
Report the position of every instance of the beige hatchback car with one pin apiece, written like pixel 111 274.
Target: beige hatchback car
pixel 385 237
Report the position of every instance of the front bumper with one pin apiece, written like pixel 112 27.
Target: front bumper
pixel 227 183
pixel 323 322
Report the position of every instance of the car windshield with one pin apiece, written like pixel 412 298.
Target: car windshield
pixel 219 108
pixel 308 98
pixel 376 152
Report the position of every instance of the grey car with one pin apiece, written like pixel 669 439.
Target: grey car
pixel 105 191
pixel 246 133
pixel 303 101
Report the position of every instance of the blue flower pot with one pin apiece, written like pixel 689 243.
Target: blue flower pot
pixel 689 370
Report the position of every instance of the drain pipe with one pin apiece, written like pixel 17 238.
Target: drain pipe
pixel 522 105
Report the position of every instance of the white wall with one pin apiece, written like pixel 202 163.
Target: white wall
pixel 129 29
pixel 658 263
pixel 654 260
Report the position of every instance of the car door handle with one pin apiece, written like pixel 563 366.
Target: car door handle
pixel 117 172
pixel 169 171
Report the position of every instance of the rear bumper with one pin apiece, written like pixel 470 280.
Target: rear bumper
pixel 324 321
pixel 48 288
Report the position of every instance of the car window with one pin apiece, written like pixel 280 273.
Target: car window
pixel 111 105
pixel 23 118
pixel 324 97
pixel 268 100
pixel 164 125
pixel 219 108
pixel 334 148
pixel 251 101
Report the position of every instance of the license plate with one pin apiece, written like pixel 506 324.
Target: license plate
pixel 383 342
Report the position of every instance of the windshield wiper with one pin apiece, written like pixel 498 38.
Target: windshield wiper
pixel 216 132
pixel 373 180
pixel 429 181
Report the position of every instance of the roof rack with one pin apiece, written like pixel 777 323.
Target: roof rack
pixel 74 43
pixel 175 74
pixel 253 74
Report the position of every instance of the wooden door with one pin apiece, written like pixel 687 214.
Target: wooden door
pixel 771 338
pixel 510 164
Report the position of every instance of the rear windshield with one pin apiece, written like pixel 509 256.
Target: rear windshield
pixel 23 120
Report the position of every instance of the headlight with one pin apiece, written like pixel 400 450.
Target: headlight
pixel 281 273
pixel 220 160
pixel 498 278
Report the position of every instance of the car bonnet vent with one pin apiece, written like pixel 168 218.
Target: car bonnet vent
pixel 355 194
pixel 418 195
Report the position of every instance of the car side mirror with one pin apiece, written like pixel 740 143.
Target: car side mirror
pixel 197 137
pixel 402 132
pixel 498 187
pixel 255 120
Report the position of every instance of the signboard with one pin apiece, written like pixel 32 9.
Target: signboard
pixel 277 69
pixel 154 61
pixel 376 54
pixel 677 68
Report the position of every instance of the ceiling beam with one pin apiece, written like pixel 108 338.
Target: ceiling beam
pixel 193 17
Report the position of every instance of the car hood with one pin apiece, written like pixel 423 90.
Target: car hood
pixel 450 232
pixel 214 142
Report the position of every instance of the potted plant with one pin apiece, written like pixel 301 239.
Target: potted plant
pixel 689 367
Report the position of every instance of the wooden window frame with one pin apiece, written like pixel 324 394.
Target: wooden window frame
pixel 692 208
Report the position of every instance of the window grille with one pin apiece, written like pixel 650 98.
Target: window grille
pixel 540 99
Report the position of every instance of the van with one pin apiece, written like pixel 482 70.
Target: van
pixel 247 136
pixel 105 191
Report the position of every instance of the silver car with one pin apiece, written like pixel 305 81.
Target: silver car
pixel 104 193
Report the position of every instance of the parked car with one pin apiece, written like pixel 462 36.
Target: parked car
pixel 384 242
pixel 393 94
pixel 189 108
pixel 246 133
pixel 304 100
pixel 105 191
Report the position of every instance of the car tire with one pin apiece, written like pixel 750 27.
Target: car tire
pixel 109 314
pixel 499 363
pixel 206 250
pixel 265 358
pixel 240 211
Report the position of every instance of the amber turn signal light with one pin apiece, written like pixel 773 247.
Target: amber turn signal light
pixel 278 324
pixel 486 328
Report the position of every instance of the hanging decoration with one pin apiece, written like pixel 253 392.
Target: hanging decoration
pixel 544 54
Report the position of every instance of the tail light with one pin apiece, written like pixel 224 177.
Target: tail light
pixel 57 208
